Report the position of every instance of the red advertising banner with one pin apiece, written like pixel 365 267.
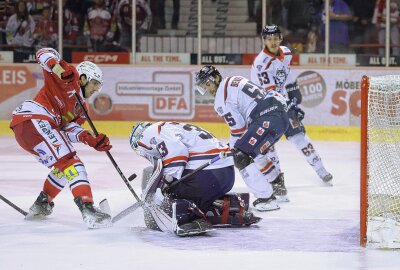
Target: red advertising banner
pixel 102 57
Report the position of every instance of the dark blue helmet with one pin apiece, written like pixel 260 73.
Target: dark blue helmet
pixel 270 30
pixel 206 73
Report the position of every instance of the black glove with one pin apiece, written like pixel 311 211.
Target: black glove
pixel 299 113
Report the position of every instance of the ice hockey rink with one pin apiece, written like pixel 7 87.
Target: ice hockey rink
pixel 317 229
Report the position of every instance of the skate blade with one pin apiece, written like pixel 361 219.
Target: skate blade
pixel 283 198
pixel 182 233
pixel 265 208
pixel 31 216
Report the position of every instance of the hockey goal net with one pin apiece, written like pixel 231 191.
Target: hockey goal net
pixel 380 162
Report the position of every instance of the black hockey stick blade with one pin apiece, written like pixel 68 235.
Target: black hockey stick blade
pixel 127 211
pixel 4 199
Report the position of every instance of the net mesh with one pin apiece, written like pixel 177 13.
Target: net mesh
pixel 384 148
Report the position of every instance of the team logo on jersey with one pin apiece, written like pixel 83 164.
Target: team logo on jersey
pixel 153 141
pixel 280 77
pixel 220 110
pixel 265 124
pixel 260 131
pixel 259 67
pixel 264 147
pixel 252 141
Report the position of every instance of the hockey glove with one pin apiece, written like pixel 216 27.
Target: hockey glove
pixel 100 143
pixel 64 75
pixel 299 113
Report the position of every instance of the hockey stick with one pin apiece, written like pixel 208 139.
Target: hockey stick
pixel 107 152
pixel 4 199
pixel 135 206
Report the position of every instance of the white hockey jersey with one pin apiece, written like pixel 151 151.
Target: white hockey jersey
pixel 273 72
pixel 235 99
pixel 182 146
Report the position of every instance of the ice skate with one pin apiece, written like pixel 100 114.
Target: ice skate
pixel 279 188
pixel 41 207
pixel 325 176
pixel 266 204
pixel 196 227
pixel 93 216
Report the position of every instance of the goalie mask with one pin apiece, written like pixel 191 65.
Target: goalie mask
pixel 206 75
pixel 91 71
pixel 141 148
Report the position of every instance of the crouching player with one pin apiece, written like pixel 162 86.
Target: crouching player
pixel 196 204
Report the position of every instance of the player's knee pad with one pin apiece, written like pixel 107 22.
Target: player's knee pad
pixel 231 211
pixel 241 159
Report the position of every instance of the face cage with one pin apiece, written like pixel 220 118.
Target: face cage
pixel 135 136
pixel 201 86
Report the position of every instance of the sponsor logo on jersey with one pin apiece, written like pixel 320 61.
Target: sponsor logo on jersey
pixel 46 129
pixel 265 124
pixel 220 110
pixel 153 141
pixel 264 147
pixel 252 141
pixel 260 131
pixel 259 67
pixel 44 158
pixel 270 109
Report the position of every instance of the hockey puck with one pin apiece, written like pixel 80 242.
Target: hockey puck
pixel 133 176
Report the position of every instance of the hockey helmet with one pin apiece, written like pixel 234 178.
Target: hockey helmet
pixel 136 134
pixel 91 71
pixel 271 30
pixel 206 73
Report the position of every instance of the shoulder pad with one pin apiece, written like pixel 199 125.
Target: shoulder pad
pixel 285 50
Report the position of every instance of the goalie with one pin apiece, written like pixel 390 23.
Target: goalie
pixel 192 206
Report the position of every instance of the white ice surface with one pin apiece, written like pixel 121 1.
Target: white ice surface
pixel 318 229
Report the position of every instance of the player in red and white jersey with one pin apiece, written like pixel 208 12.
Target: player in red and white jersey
pixel 183 148
pixel 47 125
pixel 271 71
pixel 256 121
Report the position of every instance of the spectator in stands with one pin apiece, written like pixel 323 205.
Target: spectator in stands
pixel 7 8
pixel 175 13
pixel 298 20
pixel 71 25
pixel 379 20
pixel 20 27
pixel 45 34
pixel 362 22
pixel 143 22
pixel 99 27
pixel 339 17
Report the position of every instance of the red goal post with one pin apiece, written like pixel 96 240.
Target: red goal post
pixel 380 162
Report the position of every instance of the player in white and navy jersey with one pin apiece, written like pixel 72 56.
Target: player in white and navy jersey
pixel 271 71
pixel 182 148
pixel 256 121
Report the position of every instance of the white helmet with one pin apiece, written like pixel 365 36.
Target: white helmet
pixel 91 71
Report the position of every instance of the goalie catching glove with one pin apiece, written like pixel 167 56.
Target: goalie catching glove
pixel 100 143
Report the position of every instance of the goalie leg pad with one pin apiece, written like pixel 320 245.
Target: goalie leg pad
pixel 232 211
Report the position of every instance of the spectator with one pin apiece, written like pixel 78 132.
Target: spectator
pixel 7 8
pixel 175 13
pixel 362 21
pixel 71 25
pixel 298 19
pixel 20 27
pixel 339 16
pixel 45 34
pixel 143 22
pixel 379 20
pixel 99 27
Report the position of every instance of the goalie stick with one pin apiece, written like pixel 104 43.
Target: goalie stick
pixel 4 199
pixel 107 152
pixel 135 206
